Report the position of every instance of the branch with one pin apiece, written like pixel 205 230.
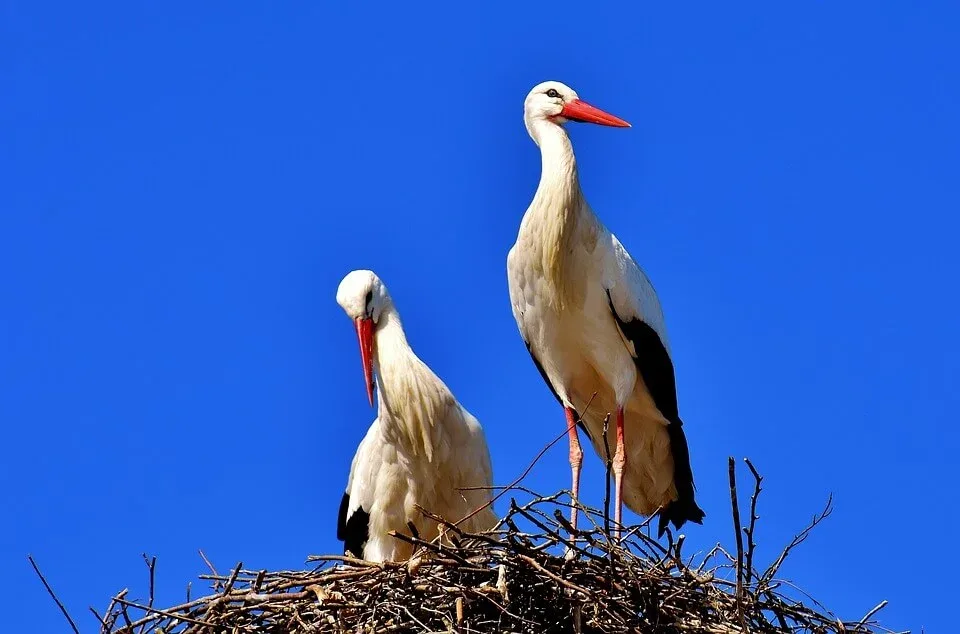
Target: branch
pixel 732 472
pixel 751 542
pixel 53 594
pixel 798 539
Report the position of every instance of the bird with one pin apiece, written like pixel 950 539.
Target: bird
pixel 593 324
pixel 423 449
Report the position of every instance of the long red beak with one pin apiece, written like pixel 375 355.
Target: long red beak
pixel 365 335
pixel 577 110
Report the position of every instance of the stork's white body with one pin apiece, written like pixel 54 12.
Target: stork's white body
pixel 583 352
pixel 422 450
pixel 593 324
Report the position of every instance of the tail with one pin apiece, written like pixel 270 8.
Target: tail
pixel 684 508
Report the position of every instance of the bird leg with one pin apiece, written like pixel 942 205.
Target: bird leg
pixel 619 460
pixel 576 461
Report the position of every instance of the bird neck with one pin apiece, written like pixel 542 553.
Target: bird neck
pixel 411 400
pixel 558 208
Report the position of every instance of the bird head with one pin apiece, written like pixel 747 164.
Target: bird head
pixel 559 103
pixel 363 297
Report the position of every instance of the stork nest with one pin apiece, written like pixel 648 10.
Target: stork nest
pixel 513 579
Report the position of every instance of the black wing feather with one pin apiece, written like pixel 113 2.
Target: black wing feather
pixel 353 531
pixel 656 369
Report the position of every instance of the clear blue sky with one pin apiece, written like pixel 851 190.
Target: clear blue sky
pixel 185 184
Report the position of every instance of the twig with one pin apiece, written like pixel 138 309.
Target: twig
pixel 210 566
pixel 53 594
pixel 866 617
pixel 798 539
pixel 152 567
pixel 566 584
pixel 169 615
pixel 233 578
pixel 751 541
pixel 103 622
pixel 732 471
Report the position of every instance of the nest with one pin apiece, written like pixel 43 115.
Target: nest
pixel 532 574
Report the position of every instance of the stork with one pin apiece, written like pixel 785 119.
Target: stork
pixel 424 449
pixel 593 324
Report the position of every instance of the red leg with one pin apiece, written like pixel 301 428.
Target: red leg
pixel 576 461
pixel 619 459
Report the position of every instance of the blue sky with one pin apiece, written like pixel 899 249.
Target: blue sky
pixel 185 184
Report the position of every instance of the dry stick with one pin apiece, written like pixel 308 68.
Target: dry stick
pixel 732 470
pixel 233 578
pixel 353 561
pixel 210 566
pixel 152 567
pixel 552 534
pixel 103 623
pixel 751 542
pixel 867 616
pixel 52 594
pixel 110 616
pixel 529 467
pixel 125 614
pixel 259 580
pixel 169 615
pixel 560 580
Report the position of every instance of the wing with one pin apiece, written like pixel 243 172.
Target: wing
pixel 636 309
pixel 353 519
pixel 518 303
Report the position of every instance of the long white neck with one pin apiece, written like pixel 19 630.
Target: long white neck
pixel 559 187
pixel 411 400
pixel 558 208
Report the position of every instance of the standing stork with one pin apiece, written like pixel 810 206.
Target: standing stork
pixel 423 448
pixel 592 322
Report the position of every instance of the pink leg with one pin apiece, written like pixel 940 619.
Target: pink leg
pixel 619 459
pixel 576 460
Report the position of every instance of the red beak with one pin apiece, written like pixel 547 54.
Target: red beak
pixel 577 110
pixel 365 334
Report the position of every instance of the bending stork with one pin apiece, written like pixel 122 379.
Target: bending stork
pixel 422 448
pixel 593 325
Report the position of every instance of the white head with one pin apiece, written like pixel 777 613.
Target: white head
pixel 364 297
pixel 362 294
pixel 557 103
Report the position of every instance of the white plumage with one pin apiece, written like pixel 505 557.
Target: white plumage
pixel 594 327
pixel 422 448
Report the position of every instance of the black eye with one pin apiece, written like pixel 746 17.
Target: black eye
pixel 553 93
pixel 368 299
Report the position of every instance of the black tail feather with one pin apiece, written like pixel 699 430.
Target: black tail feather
pixel 684 508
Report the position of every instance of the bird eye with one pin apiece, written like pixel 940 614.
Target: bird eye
pixel 368 299
pixel 553 93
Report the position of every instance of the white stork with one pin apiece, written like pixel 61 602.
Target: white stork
pixel 422 448
pixel 593 325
